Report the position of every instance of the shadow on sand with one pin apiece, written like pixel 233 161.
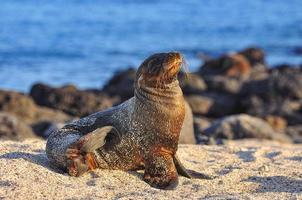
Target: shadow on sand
pixel 247 156
pixel 295 158
pixel 39 158
pixel 277 184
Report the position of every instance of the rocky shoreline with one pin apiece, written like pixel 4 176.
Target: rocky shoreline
pixel 234 96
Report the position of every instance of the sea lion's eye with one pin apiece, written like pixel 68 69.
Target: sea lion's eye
pixel 154 67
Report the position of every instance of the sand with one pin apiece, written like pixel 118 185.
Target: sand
pixel 246 169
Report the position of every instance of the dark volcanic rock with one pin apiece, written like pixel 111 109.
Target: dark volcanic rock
pixel 18 104
pixel 277 123
pixel 121 84
pixel 234 65
pixel 243 126
pixel 285 108
pixel 200 124
pixel 254 55
pixel 256 58
pixel 45 128
pixel 248 63
pixel 287 68
pixel 295 132
pixel 24 108
pixel 224 84
pixel 14 129
pixel 39 128
pixel 284 81
pixel 279 94
pixel 71 100
pixel 191 83
pixel 200 105
pixel 213 104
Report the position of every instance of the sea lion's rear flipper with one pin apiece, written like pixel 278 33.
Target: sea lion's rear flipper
pixel 187 172
pixel 80 154
pixel 98 137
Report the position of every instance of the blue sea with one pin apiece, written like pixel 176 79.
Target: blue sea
pixel 85 42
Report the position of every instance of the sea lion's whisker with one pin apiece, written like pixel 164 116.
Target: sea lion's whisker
pixel 184 67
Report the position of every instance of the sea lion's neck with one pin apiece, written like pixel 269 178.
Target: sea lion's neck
pixel 166 95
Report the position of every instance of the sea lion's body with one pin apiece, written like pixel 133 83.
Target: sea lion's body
pixel 142 131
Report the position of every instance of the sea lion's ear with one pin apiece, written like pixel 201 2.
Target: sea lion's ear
pixel 97 138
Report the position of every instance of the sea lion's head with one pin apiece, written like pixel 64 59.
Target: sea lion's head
pixel 159 69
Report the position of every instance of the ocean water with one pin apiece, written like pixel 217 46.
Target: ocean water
pixel 85 42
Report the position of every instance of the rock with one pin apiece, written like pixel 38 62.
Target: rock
pixel 24 108
pixel 200 105
pixel 71 100
pixel 276 106
pixel 295 132
pixel 121 84
pixel 53 127
pixel 247 63
pixel 17 104
pixel 280 94
pixel 212 104
pixel 40 127
pixel 284 83
pixel 243 126
pixel 287 84
pixel 45 128
pixel 256 106
pixel 286 68
pixel 258 74
pixel 187 135
pixel 13 129
pixel 224 84
pixel 233 65
pixel 51 115
pixel 256 58
pixel 200 124
pixel 276 122
pixel 191 83
pixel 254 55
pixel 216 66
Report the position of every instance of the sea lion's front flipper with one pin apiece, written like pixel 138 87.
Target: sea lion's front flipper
pixel 160 171
pixel 187 172
pixel 80 154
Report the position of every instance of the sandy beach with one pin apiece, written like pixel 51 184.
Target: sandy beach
pixel 247 169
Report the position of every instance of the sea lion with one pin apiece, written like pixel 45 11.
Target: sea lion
pixel 141 132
